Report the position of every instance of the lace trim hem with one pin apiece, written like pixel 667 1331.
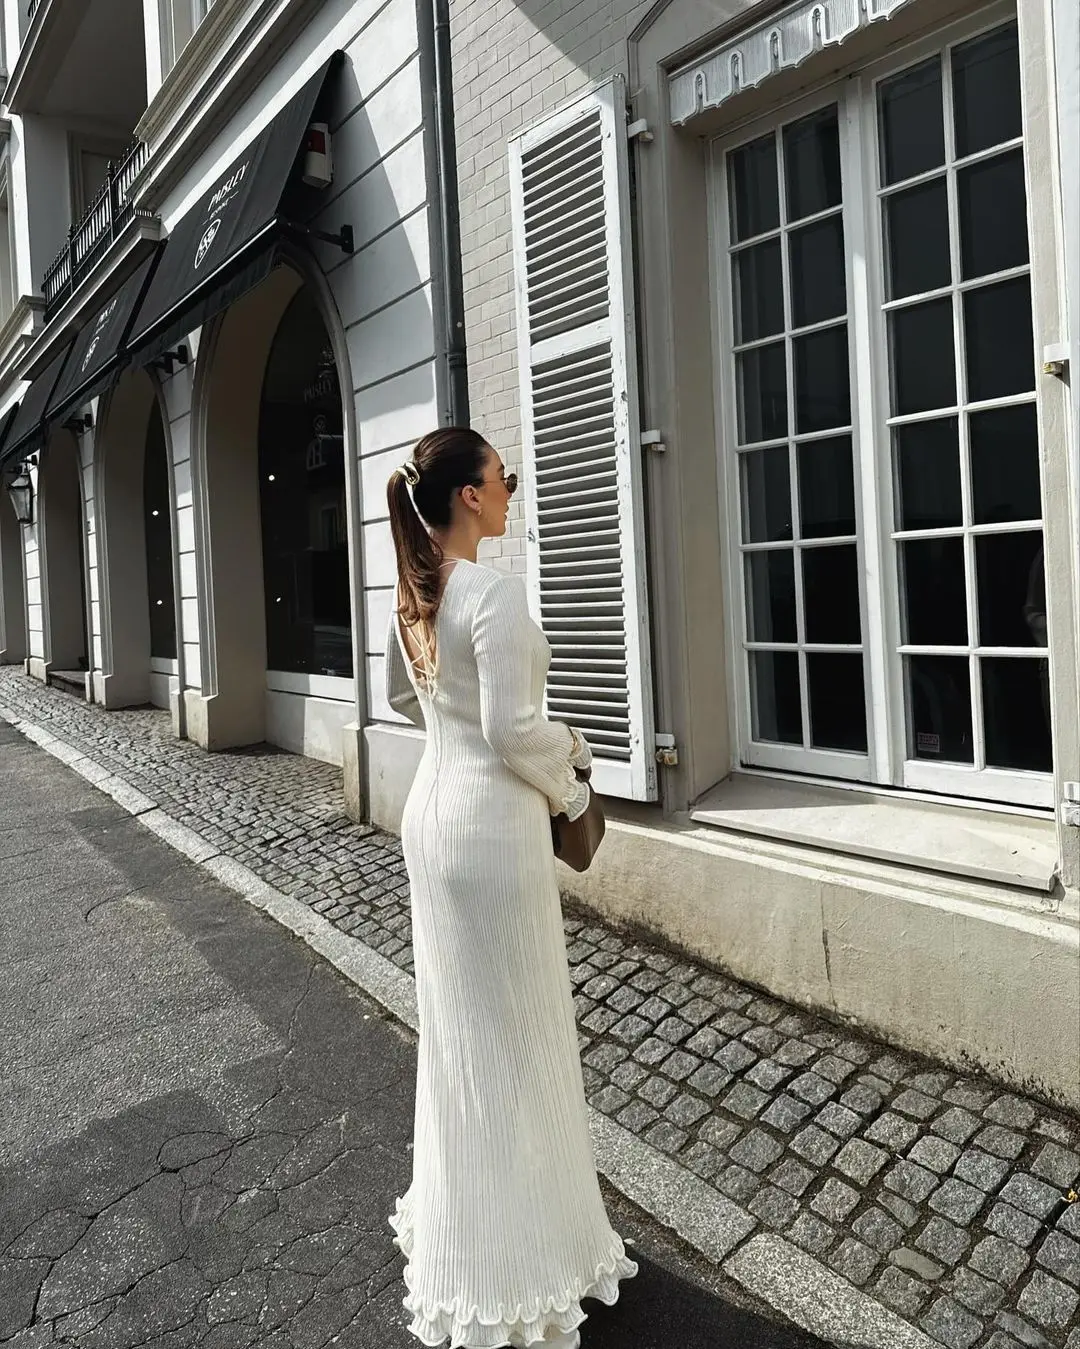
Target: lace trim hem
pixel 521 1327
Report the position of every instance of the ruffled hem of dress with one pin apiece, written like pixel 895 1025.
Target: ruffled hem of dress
pixel 468 1326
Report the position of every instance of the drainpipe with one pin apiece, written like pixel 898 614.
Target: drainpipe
pixel 434 35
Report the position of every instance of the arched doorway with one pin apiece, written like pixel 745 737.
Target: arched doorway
pixel 12 588
pixel 277 649
pixel 61 537
pixel 134 494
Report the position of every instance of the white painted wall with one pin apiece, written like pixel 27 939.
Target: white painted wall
pixel 12 599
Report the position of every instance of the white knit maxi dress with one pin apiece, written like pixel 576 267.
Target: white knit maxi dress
pixel 503 1226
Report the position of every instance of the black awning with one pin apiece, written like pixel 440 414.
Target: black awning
pixel 98 351
pixel 224 246
pixel 27 433
pixel 12 413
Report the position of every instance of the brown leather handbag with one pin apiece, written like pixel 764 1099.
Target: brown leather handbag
pixel 576 841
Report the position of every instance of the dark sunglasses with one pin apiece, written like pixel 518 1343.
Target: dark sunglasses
pixel 510 482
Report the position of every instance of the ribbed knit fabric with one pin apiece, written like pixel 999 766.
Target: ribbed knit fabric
pixel 503 1226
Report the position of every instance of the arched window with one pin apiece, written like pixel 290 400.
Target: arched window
pixel 159 572
pixel 302 496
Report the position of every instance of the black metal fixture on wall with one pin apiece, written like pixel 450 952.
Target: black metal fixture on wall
pixel 20 489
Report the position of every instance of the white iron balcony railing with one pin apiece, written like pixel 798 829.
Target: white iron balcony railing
pixel 32 8
pixel 112 210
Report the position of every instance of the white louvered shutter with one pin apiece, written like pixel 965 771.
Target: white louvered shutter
pixel 580 434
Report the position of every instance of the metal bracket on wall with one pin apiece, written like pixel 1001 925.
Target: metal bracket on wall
pixel 667 753
pixel 1070 805
pixel 639 130
pixel 343 239
pixel 79 425
pixel 178 356
pixel 653 440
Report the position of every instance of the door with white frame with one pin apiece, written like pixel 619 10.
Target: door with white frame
pixel 880 435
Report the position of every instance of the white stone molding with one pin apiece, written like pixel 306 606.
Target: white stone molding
pixel 785 40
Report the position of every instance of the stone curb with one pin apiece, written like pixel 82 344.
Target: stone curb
pixel 770 1268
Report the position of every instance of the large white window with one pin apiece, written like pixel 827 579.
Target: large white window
pixel 881 435
pixel 179 19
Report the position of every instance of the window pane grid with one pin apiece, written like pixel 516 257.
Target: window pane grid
pixel 989 354
pixel 811 271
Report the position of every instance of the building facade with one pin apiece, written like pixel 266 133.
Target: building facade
pixel 770 305
pixel 223 324
pixel 779 295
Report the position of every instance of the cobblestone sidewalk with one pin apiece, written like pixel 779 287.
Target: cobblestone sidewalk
pixel 940 1195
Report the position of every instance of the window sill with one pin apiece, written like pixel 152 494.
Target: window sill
pixel 333 688
pixel 984 844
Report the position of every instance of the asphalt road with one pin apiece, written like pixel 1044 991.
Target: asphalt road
pixel 203 1126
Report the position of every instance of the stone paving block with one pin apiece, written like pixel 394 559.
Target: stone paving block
pixel 609 1099
pixel 738 1183
pixel 957 1200
pixel 999 1259
pixel 766 1010
pixel 676 994
pixel 834 1068
pixel 1008 1222
pixel 757 1151
pixel 763 1038
pixel 705 1042
pixel 956 1125
pixel 703 1160
pixel 863 1100
pixel 793 1177
pixel 1060 1166
pixel 795 1054
pixel 1030 1195
pixel 657 1091
pixel 976 1293
pixel 674 1030
pixel 600 1020
pixel 815 1145
pixel 917 1262
pixel 981 1169
pixel 811 1234
pixel 735 1056
pixel 686 1110
pixel 838 1120
pixel 943 1240
pixel 625 999
pixel 1011 1111
pixel 732 1023
pixel 721 1133
pixel 786 1114
pixel 605 1057
pixel 999 1340
pixel 812 1089
pixel 911 1181
pixel 890 1067
pixel 697 1011
pixel 900 1292
pixel 854 1260
pixel 906 1214
pixel 892 1131
pixel 774 1207
pixel 915 1103
pixel 636 1116
pixel 631 1030
pixel 1001 1142
pixel 951 1325
pixel 647 981
pixel 1048 1302
pixel 1028 1335
pixel 744 1100
pixel 768 1074
pixel 652 1051
pixel 835 1200
pixel 629 1075
pixel 680 1065
pixel 860 1160
pixel 666 1136
pixel 878 1230
pixel 1061 1255
pixel 710 1079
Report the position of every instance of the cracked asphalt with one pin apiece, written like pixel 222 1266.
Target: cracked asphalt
pixel 203 1125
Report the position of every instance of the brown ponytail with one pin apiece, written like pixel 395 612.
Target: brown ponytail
pixel 442 462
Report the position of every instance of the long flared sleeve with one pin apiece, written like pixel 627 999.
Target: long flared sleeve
pixel 400 693
pixel 538 750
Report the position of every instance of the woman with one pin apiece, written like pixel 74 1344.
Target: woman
pixel 503 1225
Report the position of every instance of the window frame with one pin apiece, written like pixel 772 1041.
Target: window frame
pixel 887 763
pixel 197 10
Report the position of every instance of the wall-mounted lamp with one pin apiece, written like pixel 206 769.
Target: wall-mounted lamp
pixel 21 491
